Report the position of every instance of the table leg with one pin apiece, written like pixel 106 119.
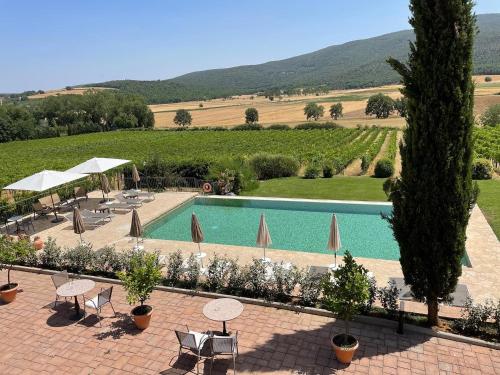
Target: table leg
pixel 224 331
pixel 78 314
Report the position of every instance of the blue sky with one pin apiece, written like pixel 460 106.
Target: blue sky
pixel 51 44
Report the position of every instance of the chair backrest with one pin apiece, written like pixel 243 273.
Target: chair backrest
pixel 80 192
pixel 223 344
pixel 56 198
pixel 186 339
pixel 104 296
pixel 45 201
pixel 37 206
pixel 60 278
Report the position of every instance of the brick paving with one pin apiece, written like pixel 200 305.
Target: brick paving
pixel 35 338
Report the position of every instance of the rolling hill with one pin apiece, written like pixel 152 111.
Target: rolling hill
pixel 355 64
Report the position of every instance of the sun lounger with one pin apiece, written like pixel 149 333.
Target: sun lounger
pixel 91 221
pixel 131 202
pixel 143 195
pixel 90 214
pixel 119 206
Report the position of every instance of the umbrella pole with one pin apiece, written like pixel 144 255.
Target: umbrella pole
pixel 335 260
pixel 264 254
pixel 81 239
pixel 199 251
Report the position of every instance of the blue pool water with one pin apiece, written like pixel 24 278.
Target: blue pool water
pixel 294 225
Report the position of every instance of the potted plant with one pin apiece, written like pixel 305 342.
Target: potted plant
pixel 346 294
pixel 139 280
pixel 11 252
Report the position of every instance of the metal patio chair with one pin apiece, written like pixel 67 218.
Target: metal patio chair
pixel 97 303
pixel 193 342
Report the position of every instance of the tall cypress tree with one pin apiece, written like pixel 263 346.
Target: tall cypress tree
pixel 433 196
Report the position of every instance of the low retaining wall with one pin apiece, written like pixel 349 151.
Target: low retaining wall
pixel 278 305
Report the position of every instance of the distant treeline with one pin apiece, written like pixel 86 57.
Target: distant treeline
pixel 73 114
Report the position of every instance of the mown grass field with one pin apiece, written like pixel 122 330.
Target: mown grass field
pixel 365 189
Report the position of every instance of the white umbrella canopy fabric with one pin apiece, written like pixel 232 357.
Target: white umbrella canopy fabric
pixel 97 165
pixel 263 237
pixel 334 243
pixel 45 180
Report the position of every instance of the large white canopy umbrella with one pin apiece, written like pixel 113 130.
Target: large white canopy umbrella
pixel 43 181
pixel 97 165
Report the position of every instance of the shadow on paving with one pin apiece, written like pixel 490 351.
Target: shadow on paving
pixel 305 351
pixel 118 328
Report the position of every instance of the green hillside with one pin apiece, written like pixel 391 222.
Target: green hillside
pixel 355 64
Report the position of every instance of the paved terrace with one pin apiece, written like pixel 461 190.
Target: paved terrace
pixel 35 338
pixel 482 280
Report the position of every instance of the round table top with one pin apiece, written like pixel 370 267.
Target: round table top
pixel 223 309
pixel 75 288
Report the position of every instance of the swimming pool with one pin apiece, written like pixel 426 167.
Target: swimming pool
pixel 299 225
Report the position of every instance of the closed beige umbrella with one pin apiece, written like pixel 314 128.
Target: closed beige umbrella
pixel 135 175
pixel 334 239
pixel 78 226
pixel 197 236
pixel 105 186
pixel 136 228
pixel 264 237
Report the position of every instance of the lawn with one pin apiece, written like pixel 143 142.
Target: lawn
pixel 365 189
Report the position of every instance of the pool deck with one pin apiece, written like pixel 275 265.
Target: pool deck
pixel 483 248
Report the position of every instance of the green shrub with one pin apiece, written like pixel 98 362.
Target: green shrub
pixel 482 169
pixel 488 79
pixel 278 127
pixel 284 281
pixel 217 273
pixel 254 126
pixel 312 171
pixel 491 117
pixel 267 166
pixel 51 255
pixel 327 171
pixel 384 168
pixel 174 268
pixel 365 162
pixel 474 317
pixel 236 278
pixel 108 261
pixel 310 288
pixel 388 297
pixel 192 274
pixel 257 281
pixel 79 258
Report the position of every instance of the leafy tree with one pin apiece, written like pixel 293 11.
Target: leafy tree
pixel 491 117
pixel 433 198
pixel 313 111
pixel 182 118
pixel 143 275
pixel 251 116
pixel 125 121
pixel 348 294
pixel 336 111
pixel 400 105
pixel 379 105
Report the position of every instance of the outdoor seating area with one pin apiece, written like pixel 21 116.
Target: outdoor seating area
pixel 268 340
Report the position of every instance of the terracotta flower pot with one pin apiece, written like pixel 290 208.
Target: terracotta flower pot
pixel 8 292
pixel 142 316
pixel 38 243
pixel 344 353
